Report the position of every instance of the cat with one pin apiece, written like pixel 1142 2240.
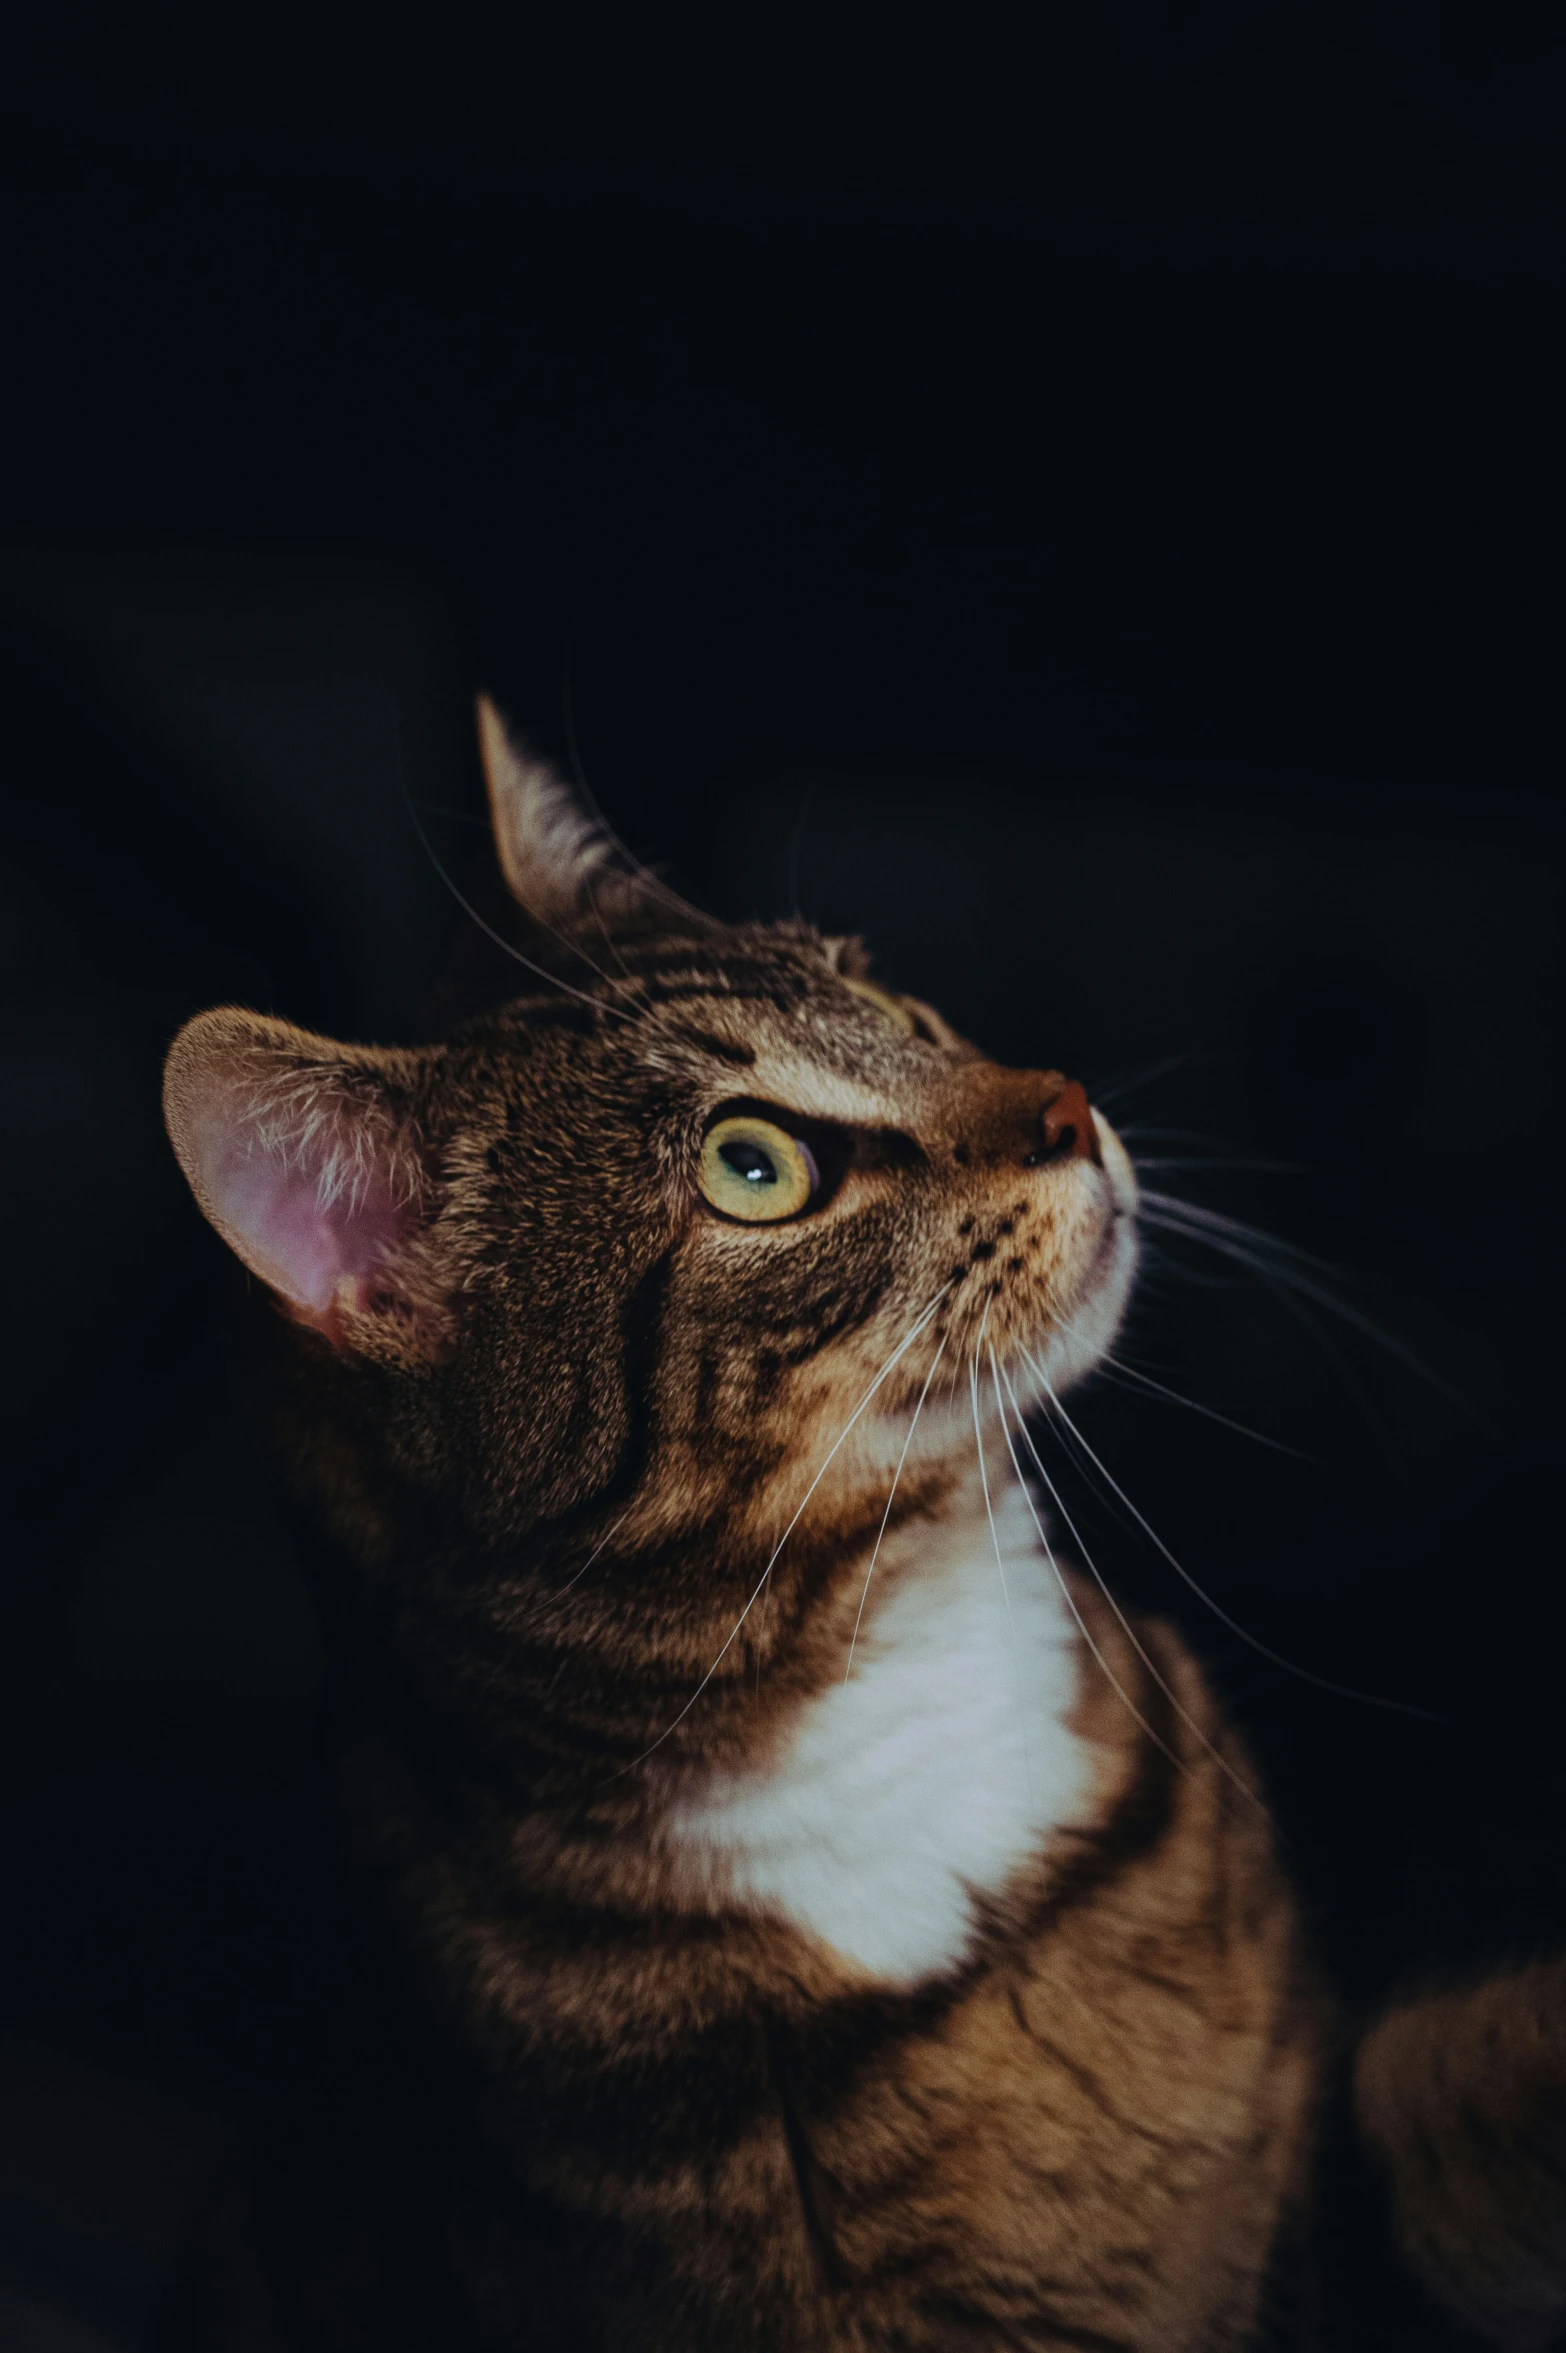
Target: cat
pixel 835 1925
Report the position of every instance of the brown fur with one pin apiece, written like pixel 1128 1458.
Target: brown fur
pixel 1462 2094
pixel 1090 2137
pixel 555 1415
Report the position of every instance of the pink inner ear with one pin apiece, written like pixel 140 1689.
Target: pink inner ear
pixel 272 1212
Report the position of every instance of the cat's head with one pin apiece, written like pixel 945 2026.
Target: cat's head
pixel 634 1252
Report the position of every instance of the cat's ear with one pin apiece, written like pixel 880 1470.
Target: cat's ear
pixel 561 864
pixel 303 1154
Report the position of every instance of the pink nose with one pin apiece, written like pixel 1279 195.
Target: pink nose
pixel 1066 1128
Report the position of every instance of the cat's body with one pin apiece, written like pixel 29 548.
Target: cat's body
pixel 839 1928
pixel 1061 2098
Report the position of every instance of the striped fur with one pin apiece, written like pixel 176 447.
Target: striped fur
pixel 815 1960
pixel 1462 2095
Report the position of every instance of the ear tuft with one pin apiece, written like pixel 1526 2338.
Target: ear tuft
pixel 561 864
pixel 299 1151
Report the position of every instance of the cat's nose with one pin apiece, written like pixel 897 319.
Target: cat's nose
pixel 1066 1130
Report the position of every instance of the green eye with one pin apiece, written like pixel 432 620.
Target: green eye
pixel 891 1008
pixel 754 1171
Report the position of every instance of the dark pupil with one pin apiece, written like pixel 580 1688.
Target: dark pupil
pixel 750 1162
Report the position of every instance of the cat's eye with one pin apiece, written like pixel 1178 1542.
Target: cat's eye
pixel 755 1171
pixel 893 1008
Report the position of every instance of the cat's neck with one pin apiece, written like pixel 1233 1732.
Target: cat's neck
pixel 922 1780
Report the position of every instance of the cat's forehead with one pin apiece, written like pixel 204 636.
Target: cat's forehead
pixel 829 1058
pixel 772 1012
pixel 785 1009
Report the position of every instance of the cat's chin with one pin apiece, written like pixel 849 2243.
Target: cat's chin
pixel 1076 1342
pixel 1073 1349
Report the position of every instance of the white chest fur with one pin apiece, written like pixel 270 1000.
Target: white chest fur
pixel 936 1771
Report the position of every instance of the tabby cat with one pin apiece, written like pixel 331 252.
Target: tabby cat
pixel 838 1927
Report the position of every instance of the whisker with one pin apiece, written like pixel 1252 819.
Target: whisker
pixel 892 1497
pixel 1276 1262
pixel 1289 1299
pixel 1161 1269
pixel 893 1360
pixel 1115 1368
pixel 564 939
pixel 606 935
pixel 1164 1272
pixel 1168 1135
pixel 1172 1210
pixel 541 971
pixel 1128 1085
pixel 1091 1479
pixel 1199 1160
pixel 1127 1628
pixel 984 1481
pixel 1110 1676
pixel 1274 1658
pixel 587 1564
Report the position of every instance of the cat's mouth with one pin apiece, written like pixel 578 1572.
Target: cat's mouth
pixel 1046 1278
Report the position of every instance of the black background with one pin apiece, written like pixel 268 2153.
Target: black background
pixel 1078 502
